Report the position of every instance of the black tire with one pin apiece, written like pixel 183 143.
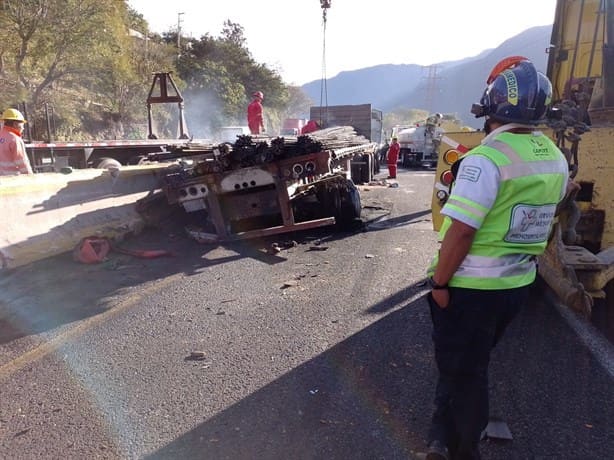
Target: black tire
pixel 330 199
pixel 106 163
pixel 350 208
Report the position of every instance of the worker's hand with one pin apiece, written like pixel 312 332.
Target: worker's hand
pixel 441 297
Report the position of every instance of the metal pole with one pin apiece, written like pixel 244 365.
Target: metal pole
pixel 575 52
pixel 179 32
pixel 608 55
pixel 48 123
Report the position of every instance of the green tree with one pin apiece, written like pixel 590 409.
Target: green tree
pixel 221 75
pixel 76 56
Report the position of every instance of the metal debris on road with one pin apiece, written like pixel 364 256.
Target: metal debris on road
pixel 196 356
pixel 288 284
pixel 497 429
pixel 318 248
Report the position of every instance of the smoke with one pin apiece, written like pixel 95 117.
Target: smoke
pixel 204 114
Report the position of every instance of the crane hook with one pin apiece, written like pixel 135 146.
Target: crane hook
pixel 325 4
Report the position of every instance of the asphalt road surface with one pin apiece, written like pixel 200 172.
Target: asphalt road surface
pixel 319 351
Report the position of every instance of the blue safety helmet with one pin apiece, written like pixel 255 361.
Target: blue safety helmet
pixel 519 94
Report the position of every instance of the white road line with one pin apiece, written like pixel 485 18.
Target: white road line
pixel 597 344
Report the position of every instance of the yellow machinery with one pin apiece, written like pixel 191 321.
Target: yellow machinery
pixel 579 260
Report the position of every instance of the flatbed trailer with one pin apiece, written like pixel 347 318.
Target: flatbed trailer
pixel 51 156
pixel 280 196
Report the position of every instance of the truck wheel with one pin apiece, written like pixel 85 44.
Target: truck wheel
pixel 330 199
pixel 350 202
pixel 108 163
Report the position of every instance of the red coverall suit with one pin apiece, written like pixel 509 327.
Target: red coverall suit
pixel 391 159
pixel 254 116
pixel 13 157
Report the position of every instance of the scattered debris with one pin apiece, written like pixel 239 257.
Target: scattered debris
pixel 94 250
pixel 318 248
pixel 288 284
pixel 497 429
pixel 369 256
pixel 201 236
pixel 274 249
pixel 197 355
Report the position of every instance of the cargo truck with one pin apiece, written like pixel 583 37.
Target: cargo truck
pixel 367 121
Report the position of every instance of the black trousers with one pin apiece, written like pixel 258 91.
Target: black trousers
pixel 464 334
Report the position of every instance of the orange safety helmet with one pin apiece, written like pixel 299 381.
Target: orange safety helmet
pixel 258 94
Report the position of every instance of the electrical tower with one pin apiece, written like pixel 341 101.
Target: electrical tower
pixel 432 87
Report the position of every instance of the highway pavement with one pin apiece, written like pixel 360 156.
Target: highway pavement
pixel 319 351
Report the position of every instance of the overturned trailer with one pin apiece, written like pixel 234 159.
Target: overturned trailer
pixel 261 186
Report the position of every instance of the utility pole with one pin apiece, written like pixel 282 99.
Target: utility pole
pixel 179 21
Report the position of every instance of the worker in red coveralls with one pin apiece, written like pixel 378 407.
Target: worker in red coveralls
pixel 13 157
pixel 310 127
pixel 255 120
pixel 392 157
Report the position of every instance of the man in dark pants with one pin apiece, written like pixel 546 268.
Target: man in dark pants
pixel 496 221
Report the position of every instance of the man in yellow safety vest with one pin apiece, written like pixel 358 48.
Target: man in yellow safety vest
pixel 497 220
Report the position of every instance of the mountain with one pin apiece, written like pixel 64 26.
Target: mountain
pixel 447 87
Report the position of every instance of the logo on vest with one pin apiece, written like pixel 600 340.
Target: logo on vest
pixel 530 224
pixel 539 147
pixel 470 173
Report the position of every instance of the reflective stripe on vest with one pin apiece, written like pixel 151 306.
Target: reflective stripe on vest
pixel 518 167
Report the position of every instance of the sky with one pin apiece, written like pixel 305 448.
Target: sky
pixel 287 35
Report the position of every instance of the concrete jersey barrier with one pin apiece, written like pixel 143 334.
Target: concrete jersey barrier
pixel 47 214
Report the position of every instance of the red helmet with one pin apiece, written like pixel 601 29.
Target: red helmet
pixel 258 94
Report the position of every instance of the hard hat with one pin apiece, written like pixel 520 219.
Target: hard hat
pixel 13 114
pixel 519 94
pixel 258 94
